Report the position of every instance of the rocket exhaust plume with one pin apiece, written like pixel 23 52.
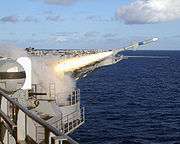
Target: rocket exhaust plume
pixel 75 63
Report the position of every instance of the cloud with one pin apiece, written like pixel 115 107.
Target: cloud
pixel 60 39
pixel 110 35
pixel 59 2
pixel 30 19
pixel 98 18
pixel 15 19
pixel 54 18
pixel 149 11
pixel 10 19
pixel 90 34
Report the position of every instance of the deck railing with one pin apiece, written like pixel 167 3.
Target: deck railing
pixel 12 123
pixel 69 122
pixel 72 99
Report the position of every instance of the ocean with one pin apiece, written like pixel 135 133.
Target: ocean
pixel 136 101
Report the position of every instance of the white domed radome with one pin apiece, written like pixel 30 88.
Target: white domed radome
pixel 12 75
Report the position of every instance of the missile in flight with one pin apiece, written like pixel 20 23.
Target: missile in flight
pixel 89 62
pixel 147 41
pixel 135 45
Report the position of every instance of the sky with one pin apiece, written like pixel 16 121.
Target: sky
pixel 96 24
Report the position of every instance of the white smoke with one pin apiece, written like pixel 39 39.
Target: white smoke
pixel 11 51
pixel 150 11
pixel 43 72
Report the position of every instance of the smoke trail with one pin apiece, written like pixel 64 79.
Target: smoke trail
pixel 75 63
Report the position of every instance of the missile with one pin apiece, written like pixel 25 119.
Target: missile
pixel 147 41
pixel 134 46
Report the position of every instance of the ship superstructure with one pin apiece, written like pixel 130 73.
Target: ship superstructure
pixel 43 108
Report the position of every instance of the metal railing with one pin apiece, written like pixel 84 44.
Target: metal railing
pixel 72 99
pixel 38 94
pixel 48 128
pixel 69 122
pixel 72 121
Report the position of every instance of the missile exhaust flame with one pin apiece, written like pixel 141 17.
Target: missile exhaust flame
pixel 71 64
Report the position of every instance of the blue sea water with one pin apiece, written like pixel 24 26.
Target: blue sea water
pixel 136 101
